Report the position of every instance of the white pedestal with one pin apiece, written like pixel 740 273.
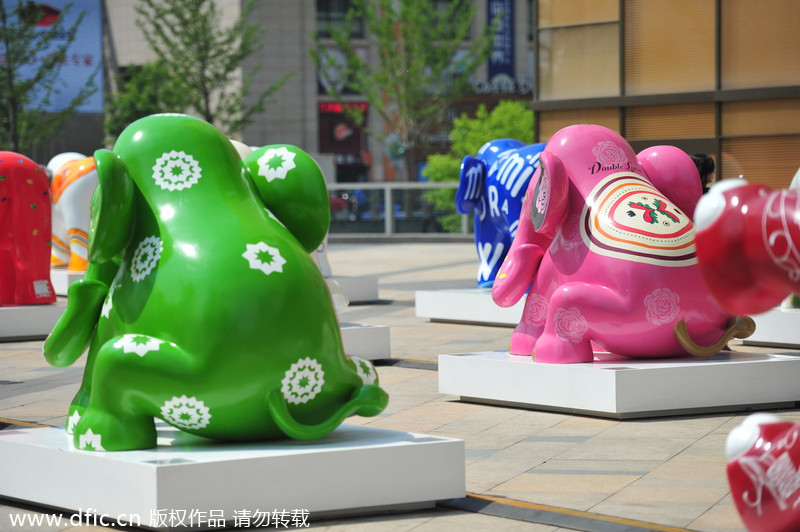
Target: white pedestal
pixel 366 341
pixel 29 322
pixel 358 289
pixel 625 388
pixel 778 327
pixel 354 469
pixel 467 305
pixel 62 279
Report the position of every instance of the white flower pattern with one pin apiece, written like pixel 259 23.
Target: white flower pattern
pixel 186 412
pixel 303 381
pixel 275 163
pixel 263 257
pixel 108 303
pixel 365 370
pixel 138 343
pixel 72 422
pixel 90 441
pixel 176 170
pixel 145 258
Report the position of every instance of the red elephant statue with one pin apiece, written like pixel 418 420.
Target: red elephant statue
pixel 25 211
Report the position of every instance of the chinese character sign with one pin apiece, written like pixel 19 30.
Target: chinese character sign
pixel 83 58
pixel 501 58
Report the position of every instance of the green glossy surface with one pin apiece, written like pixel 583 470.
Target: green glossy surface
pixel 201 304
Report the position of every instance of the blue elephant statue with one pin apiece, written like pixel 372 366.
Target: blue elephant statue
pixel 493 184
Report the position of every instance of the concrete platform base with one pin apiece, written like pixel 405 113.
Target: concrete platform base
pixel 362 289
pixel 779 327
pixel 29 322
pixel 61 279
pixel 366 341
pixel 620 388
pixel 466 305
pixel 190 482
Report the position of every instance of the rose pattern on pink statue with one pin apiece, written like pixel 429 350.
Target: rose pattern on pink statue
pixel 662 306
pixel 605 249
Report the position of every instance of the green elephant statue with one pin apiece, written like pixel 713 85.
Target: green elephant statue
pixel 201 304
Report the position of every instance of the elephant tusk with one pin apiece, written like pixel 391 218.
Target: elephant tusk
pixel 742 327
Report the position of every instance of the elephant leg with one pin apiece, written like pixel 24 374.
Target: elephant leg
pixel 132 380
pixel 573 311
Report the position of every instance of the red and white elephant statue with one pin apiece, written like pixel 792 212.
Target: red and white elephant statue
pixel 25 239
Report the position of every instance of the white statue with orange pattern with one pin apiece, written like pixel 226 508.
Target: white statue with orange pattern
pixel 73 184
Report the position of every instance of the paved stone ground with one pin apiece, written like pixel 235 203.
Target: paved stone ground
pixel 524 468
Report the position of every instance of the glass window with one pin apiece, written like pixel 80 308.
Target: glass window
pixel 553 13
pixel 772 161
pixel 760 45
pixel 767 117
pixel 579 62
pixel 550 122
pixel 687 121
pixel 332 14
pixel 669 46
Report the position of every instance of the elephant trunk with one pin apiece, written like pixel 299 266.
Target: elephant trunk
pixel 742 327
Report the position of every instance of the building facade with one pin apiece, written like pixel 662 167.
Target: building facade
pixel 712 76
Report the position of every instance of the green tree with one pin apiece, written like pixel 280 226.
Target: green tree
pixel 204 59
pixel 148 90
pixel 509 119
pixel 424 59
pixel 25 96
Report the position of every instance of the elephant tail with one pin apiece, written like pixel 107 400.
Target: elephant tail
pixel 367 400
pixel 742 327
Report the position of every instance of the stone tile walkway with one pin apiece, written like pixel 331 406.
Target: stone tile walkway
pixel 525 469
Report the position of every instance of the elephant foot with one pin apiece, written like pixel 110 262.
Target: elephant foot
pixel 553 350
pixel 522 344
pixel 74 416
pixel 103 431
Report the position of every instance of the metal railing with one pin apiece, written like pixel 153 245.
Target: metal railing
pixel 389 208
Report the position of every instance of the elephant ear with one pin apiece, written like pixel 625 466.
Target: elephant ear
pixel 112 208
pixel 674 174
pixel 550 194
pixel 292 187
pixel 470 186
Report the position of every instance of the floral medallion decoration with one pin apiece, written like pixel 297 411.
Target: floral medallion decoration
pixel 176 170
pixel 365 370
pixel 138 343
pixel 303 381
pixel 570 325
pixel 662 306
pixel 89 441
pixel 72 421
pixel 275 163
pixel 186 412
pixel 146 257
pixel 263 257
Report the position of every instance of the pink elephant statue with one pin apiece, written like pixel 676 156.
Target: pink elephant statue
pixel 764 472
pixel 606 253
pixel 748 244
pixel 73 184
pixel 25 237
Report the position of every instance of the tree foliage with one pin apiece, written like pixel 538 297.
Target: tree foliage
pixel 509 119
pixel 25 98
pixel 204 59
pixel 424 59
pixel 148 90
